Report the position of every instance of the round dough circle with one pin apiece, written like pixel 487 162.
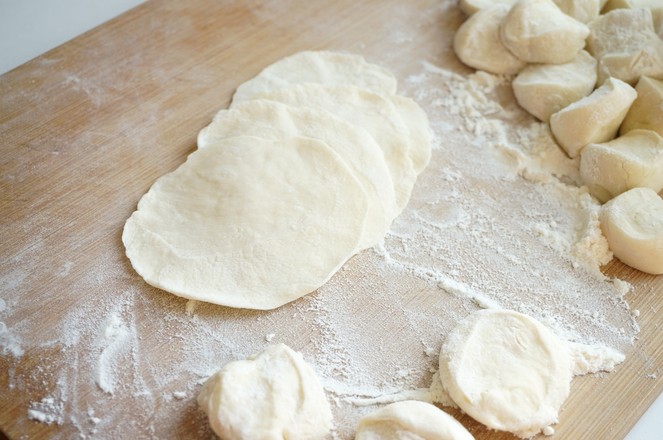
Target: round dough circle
pixel 320 67
pixel 273 120
pixel 369 110
pixel 408 420
pixel 506 370
pixel 248 223
pixel 273 396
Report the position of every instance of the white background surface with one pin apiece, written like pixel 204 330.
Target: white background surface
pixel 29 28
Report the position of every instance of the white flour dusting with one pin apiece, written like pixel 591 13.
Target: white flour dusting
pixel 48 411
pixel 496 220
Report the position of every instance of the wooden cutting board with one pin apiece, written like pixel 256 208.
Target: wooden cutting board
pixel 86 128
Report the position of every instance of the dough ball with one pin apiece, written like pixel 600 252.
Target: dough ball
pixel 410 420
pixel 537 31
pixel 320 67
pixel 593 119
pixel 273 396
pixel 376 113
pixel 248 222
pixel 632 160
pixel 470 7
pixel 632 223
pixel 647 109
pixel 582 10
pixel 507 371
pixel 275 121
pixel 655 6
pixel 543 89
pixel 630 66
pixel 477 42
pixel 626 45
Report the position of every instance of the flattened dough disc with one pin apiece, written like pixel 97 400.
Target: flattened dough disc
pixel 321 67
pixel 248 223
pixel 370 111
pixel 273 120
pixel 506 370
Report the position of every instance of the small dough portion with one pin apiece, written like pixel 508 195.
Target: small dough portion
pixel 248 222
pixel 275 121
pixel 630 161
pixel 373 112
pixel 593 119
pixel 274 395
pixel 655 6
pixel 544 89
pixel 626 45
pixel 632 223
pixel 647 109
pixel 507 371
pixel 582 10
pixel 470 7
pixel 537 31
pixel 478 45
pixel 320 67
pixel 410 420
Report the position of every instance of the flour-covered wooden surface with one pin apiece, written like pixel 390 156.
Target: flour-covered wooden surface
pixel 88 349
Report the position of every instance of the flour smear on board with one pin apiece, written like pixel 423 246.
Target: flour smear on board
pixel 496 220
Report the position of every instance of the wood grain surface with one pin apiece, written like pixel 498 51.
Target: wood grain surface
pixel 86 128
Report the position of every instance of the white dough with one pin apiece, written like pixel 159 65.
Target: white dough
pixel 320 67
pixel 418 128
pixel 410 420
pixel 647 109
pixel 655 6
pixel 272 396
pixel 632 223
pixel 507 371
pixel 470 7
pixel 376 113
pixel 593 119
pixel 273 120
pixel 537 31
pixel 626 45
pixel 582 10
pixel 632 160
pixel 543 89
pixel 248 222
pixel 478 45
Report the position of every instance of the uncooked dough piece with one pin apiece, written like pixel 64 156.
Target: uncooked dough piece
pixel 544 89
pixel 593 119
pixel 647 109
pixel 248 223
pixel 655 6
pixel 272 396
pixel 320 67
pixel 537 31
pixel 478 45
pixel 273 120
pixel 507 371
pixel 626 45
pixel 632 160
pixel 470 7
pixel 630 67
pixel 632 223
pixel 582 10
pixel 371 111
pixel 418 127
pixel 410 420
